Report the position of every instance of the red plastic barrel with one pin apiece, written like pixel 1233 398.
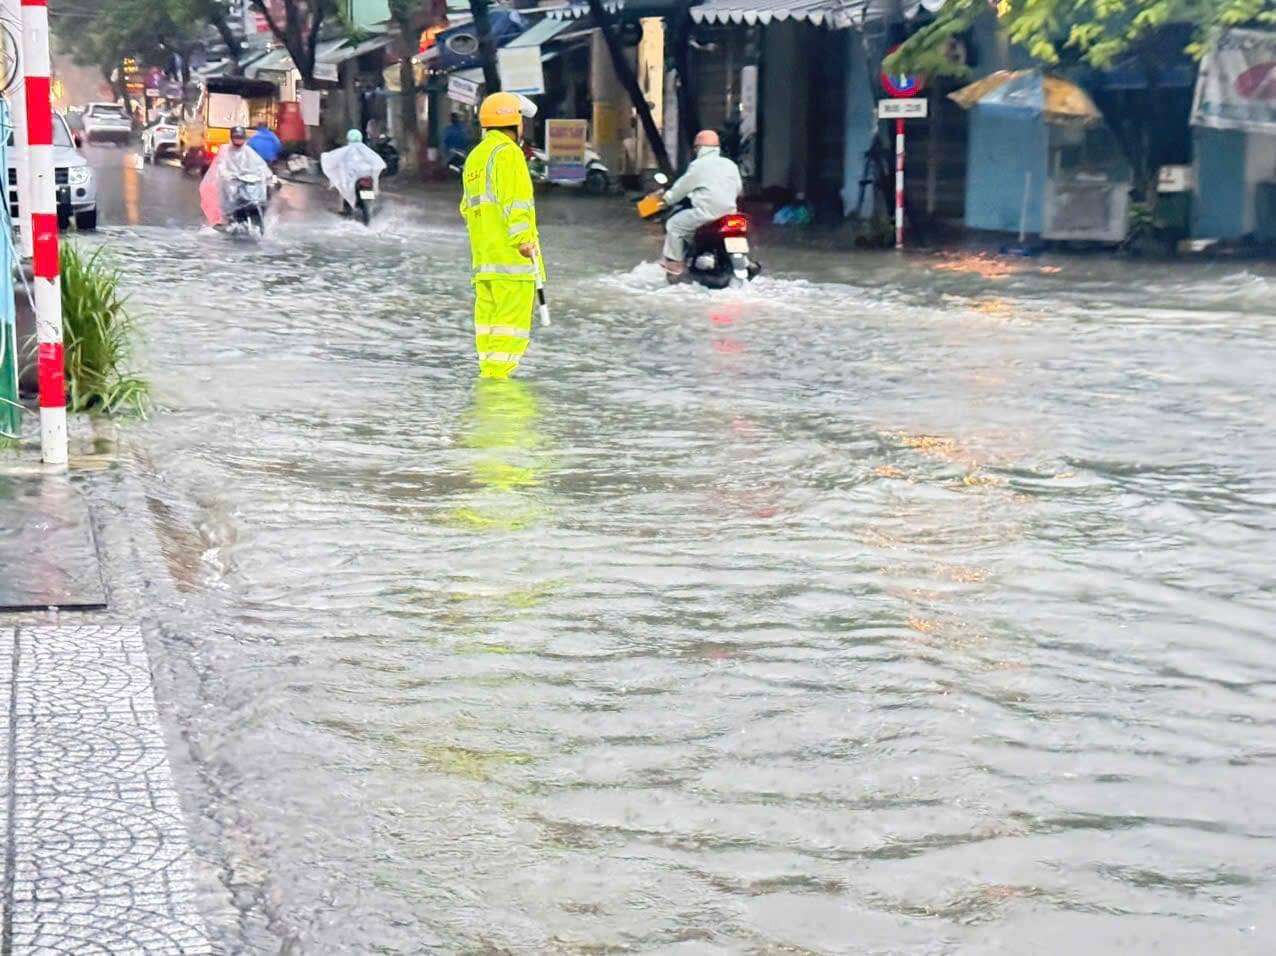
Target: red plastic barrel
pixel 291 129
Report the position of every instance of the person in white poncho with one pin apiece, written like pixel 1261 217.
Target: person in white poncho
pixel 346 165
pixel 237 175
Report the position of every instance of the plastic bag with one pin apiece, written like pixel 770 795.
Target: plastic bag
pixel 220 188
pixel 346 165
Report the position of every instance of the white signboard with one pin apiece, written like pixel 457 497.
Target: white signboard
pixel 521 70
pixel 462 91
pixel 1174 179
pixel 226 110
pixel 902 109
pixel 325 71
pixel 309 100
pixel 1236 88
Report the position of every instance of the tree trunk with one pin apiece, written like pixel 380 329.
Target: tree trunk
pixel 688 113
pixel 487 46
pixel 233 46
pixel 298 38
pixel 410 137
pixel 625 73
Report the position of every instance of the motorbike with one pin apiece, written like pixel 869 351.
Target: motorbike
pixel 249 196
pixel 718 255
pixel 365 198
pixel 596 180
pixel 384 147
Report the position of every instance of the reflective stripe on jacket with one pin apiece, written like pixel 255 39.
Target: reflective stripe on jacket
pixel 498 209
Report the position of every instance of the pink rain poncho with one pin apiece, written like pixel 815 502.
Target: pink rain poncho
pixel 217 189
pixel 346 165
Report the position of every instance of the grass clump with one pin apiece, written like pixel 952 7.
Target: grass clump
pixel 98 335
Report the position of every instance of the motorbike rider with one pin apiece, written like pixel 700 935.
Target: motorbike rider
pixel 346 165
pixel 268 145
pixel 224 184
pixel 712 184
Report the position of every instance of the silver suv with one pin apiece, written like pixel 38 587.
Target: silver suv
pixel 72 177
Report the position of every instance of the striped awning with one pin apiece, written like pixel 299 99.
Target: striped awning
pixel 834 14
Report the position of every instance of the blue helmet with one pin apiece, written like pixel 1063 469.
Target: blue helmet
pixel 354 136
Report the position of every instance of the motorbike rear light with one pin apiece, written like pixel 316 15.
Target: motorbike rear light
pixel 734 225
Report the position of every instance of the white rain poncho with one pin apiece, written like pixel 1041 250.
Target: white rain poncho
pixel 346 165
pixel 221 190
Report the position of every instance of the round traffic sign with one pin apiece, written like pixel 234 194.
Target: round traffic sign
pixel 901 84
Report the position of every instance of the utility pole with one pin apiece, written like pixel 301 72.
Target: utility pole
pixel 487 46
pixel 44 231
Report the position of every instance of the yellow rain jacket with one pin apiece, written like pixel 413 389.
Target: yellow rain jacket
pixel 499 210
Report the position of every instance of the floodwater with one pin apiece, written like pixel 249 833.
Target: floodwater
pixel 898 605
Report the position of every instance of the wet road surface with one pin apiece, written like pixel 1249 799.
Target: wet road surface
pixel 913 604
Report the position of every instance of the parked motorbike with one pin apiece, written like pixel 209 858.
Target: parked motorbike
pixel 596 181
pixel 249 196
pixel 718 255
pixel 384 147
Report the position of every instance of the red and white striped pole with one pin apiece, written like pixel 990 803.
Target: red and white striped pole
pixel 44 231
pixel 899 183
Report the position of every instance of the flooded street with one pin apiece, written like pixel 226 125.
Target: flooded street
pixel 913 604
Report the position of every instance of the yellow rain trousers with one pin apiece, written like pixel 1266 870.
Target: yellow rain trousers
pixel 500 214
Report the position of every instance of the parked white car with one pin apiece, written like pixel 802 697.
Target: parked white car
pixel 160 139
pixel 106 121
pixel 75 187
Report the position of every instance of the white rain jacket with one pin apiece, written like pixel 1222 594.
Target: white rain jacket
pixel 221 189
pixel 712 183
pixel 346 165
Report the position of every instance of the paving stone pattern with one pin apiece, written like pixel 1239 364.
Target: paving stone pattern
pixel 97 857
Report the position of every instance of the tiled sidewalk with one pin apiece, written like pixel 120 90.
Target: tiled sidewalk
pixel 97 857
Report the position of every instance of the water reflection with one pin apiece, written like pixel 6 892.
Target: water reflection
pixel 507 457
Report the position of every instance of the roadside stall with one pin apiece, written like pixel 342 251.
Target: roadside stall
pixel 1040 161
pixel 1234 138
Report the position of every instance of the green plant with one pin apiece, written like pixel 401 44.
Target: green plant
pixel 98 334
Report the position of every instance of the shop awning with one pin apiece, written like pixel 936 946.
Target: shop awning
pixel 540 33
pixel 835 14
pixel 276 61
pixel 344 50
pixel 633 8
pixel 331 52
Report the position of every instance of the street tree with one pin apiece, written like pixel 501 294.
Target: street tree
pixel 1069 32
pixel 297 29
pixel 103 33
pixel 411 18
pixel 215 13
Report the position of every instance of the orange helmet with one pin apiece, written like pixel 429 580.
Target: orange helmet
pixel 504 111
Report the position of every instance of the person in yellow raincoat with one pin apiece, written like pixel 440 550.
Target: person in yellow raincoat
pixel 500 214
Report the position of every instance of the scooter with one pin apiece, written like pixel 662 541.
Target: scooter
pixel 249 198
pixel 718 255
pixel 365 198
pixel 596 181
